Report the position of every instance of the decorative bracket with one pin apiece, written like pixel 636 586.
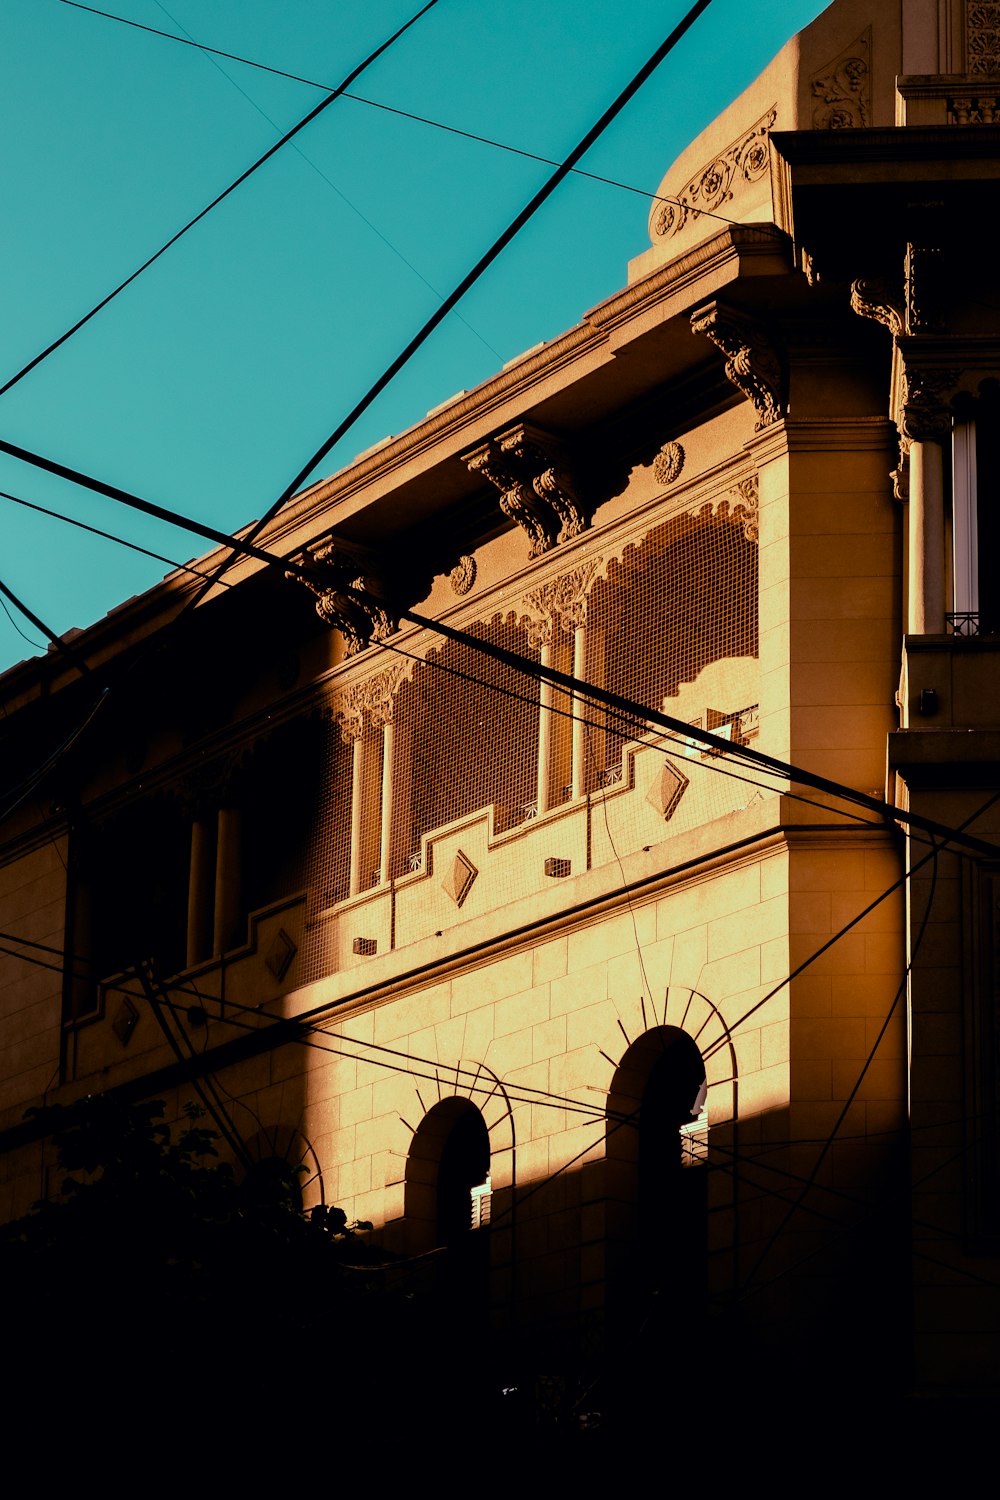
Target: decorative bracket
pixel 872 297
pixel 537 490
pixel 339 568
pixel 755 361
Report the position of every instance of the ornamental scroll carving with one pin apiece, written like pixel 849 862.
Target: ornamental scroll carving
pixel 746 160
pixel 872 297
pixel 755 362
pixel 745 506
pixel 367 704
pixel 982 37
pixel 463 575
pixel 538 492
pixel 561 600
pixel 339 569
pixel 843 89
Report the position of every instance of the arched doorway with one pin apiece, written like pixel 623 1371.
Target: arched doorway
pixel 447 1203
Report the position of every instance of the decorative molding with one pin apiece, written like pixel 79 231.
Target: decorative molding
pixel 463 575
pixel 982 37
pixel 367 704
pixel 668 463
pixel 754 360
pixel 974 109
pixel 746 160
pixel 530 469
pixel 900 476
pixel 872 297
pixel 360 621
pixel 746 506
pixel 562 599
pixel 843 88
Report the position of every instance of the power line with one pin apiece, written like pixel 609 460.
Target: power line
pixel 110 536
pixel 306 120
pixel 311 572
pixel 188 41
pixel 329 182
pixel 486 260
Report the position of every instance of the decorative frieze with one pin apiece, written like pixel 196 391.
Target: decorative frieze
pixel 530 469
pixel 755 362
pixel 843 88
pixel 744 161
pixel 343 574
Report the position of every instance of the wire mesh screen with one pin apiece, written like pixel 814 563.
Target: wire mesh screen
pixel 473 739
pixel 328 839
pixel 673 626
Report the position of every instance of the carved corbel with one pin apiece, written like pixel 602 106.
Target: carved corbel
pixel 901 476
pixel 529 467
pixel 340 568
pixel 872 297
pixel 755 362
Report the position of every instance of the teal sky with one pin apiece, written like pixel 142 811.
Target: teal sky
pixel 211 380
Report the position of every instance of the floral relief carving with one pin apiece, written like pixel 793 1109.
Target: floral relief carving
pixel 463 575
pixel 982 37
pixel 746 506
pixel 563 600
pixel 668 463
pixel 367 704
pixel 843 88
pixel 925 415
pixel 745 161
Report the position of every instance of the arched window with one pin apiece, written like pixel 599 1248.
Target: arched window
pixel 447 1202
pixel 657 1242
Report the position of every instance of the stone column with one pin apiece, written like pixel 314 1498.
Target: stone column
pixel 544 727
pixel 927 427
pixel 228 869
pixel 200 877
pixel 580 711
pixel 357 809
pixel 385 834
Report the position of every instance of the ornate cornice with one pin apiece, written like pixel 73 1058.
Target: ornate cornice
pixel 530 469
pixel 755 361
pixel 339 568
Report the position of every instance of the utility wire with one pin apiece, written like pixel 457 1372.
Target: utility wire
pixel 289 135
pixel 485 261
pixel 329 182
pixel 312 573
pixel 188 41
pixel 110 536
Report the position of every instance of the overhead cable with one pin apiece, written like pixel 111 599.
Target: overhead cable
pixel 289 134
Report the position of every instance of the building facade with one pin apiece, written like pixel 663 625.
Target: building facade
pixel 656 1041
